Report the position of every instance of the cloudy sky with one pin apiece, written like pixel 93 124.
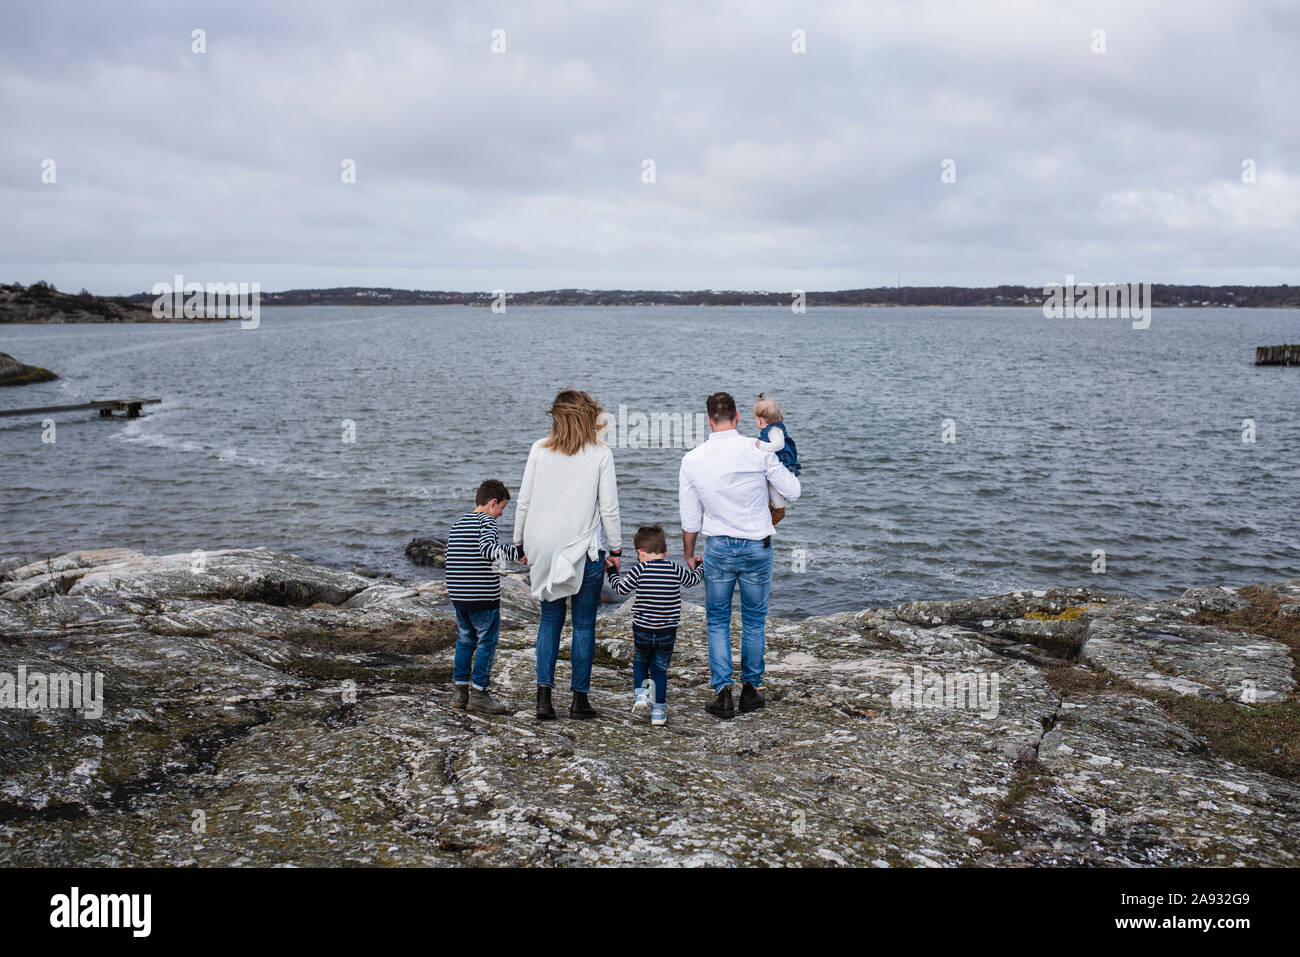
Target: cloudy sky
pixel 773 169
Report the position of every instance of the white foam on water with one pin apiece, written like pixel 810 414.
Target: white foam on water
pixel 147 431
pixel 426 493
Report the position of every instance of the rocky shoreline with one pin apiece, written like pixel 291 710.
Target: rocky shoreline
pixel 42 303
pixel 260 710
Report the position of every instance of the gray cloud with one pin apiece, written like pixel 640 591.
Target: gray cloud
pixel 774 170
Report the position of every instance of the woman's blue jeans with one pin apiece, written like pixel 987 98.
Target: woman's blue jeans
pixel 584 629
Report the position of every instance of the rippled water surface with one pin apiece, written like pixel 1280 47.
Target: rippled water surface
pixel 1071 436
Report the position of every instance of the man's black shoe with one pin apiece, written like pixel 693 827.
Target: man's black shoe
pixel 751 699
pixel 545 710
pixel 722 706
pixel 581 708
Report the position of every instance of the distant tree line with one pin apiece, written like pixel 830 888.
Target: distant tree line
pixel 1162 295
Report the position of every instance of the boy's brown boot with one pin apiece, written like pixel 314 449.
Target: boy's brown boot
pixel 459 696
pixel 484 703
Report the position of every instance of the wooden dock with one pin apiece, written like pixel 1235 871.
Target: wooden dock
pixel 106 408
pixel 1277 355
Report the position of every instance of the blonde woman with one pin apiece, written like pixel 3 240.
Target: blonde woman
pixel 567 522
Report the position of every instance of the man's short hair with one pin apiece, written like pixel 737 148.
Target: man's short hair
pixel 722 407
pixel 492 489
pixel 651 538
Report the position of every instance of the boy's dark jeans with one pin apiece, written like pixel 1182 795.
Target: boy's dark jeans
pixel 476 645
pixel 654 650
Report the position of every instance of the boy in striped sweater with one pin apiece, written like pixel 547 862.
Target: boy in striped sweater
pixel 475 590
pixel 658 584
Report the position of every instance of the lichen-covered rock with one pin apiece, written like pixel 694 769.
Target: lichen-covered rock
pixel 427 551
pixel 937 640
pixel 1191 660
pixel 1123 774
pixel 13 372
pixel 255 574
pixel 995 607
pixel 1211 599
pixel 262 710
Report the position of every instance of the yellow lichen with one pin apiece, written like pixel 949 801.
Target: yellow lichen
pixel 1066 615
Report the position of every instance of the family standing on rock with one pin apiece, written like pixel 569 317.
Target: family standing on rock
pixel 732 489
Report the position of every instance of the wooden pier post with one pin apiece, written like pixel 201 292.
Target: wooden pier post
pixel 1288 355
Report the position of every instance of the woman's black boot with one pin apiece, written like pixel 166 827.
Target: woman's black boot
pixel 545 711
pixel 581 708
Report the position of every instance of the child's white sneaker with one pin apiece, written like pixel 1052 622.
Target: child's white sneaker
pixel 659 714
pixel 641 706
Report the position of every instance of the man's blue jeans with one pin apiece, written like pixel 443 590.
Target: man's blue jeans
pixel 728 562
pixel 476 642
pixel 584 629
pixel 652 653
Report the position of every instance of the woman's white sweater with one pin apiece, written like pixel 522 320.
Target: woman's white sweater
pixel 567 511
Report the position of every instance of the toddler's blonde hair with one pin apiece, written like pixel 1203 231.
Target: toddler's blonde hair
pixel 767 409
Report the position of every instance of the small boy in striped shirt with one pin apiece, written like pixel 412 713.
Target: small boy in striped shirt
pixel 475 590
pixel 655 616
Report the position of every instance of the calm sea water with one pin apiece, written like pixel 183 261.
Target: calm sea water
pixel 1071 436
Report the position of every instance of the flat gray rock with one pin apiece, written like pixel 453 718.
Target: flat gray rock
pixel 1191 659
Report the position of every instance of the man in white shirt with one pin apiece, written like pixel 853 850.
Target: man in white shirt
pixel 723 492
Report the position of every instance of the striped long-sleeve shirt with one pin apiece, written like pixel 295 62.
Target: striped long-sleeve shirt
pixel 472 547
pixel 658 584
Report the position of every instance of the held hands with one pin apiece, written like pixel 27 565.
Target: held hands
pixel 614 562
pixel 693 561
